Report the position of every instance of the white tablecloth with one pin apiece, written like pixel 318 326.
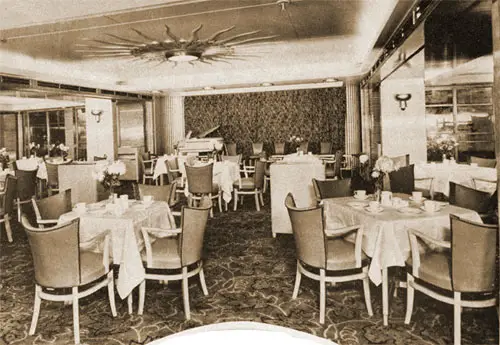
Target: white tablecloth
pixel 33 164
pixel 385 237
pixel 305 158
pixel 126 239
pixel 460 173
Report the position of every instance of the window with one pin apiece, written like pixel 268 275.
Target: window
pixel 464 113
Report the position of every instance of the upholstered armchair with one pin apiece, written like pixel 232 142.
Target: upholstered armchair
pixel 67 270
pixel 160 193
pixel 484 162
pixel 176 250
pixel 174 174
pixel 48 210
pixel 26 188
pixel 7 196
pixel 324 189
pixel 327 251
pixel 325 148
pixel 253 185
pixel 401 161
pixel 470 198
pixel 333 169
pixel 230 149
pixel 200 182
pixel 466 268
pixel 53 176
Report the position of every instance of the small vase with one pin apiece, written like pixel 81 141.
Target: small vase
pixel 377 194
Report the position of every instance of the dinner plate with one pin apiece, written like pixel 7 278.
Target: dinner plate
pixel 410 210
pixel 378 210
pixel 357 204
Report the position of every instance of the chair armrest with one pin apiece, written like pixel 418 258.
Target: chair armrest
pixel 47 221
pixel 480 179
pixel 414 247
pixel 427 238
pixel 358 239
pixel 147 242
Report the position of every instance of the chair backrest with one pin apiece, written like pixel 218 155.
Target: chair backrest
pixel 470 198
pixel 474 250
pixel 332 188
pixel 326 148
pixel 258 176
pixel 403 180
pixel 304 146
pixel 401 161
pixel 148 165
pixel 26 184
pixel 193 224
pixel 308 233
pixel 52 174
pixel 56 255
pixel 257 148
pixel 10 190
pixel 159 193
pixel 236 159
pixel 338 164
pixel 54 206
pixel 484 162
pixel 200 178
pixel 146 156
pixel 230 149
pixel 279 148
pixel 172 169
pixel 99 158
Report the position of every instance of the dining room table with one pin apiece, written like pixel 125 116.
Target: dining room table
pixel 124 219
pixel 385 237
pixel 469 175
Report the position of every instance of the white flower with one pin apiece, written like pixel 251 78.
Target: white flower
pixel 363 159
pixel 375 173
pixel 117 167
pixel 218 146
pixel 64 148
pixel 384 164
pixel 32 145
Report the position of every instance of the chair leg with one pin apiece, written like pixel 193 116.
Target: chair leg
pixel 322 296
pixel 211 208
pixel 111 293
pixel 410 293
pixel 368 300
pixel 18 202
pixel 142 296
pixel 225 204
pixel 203 283
pixel 130 302
pixel 265 184
pixel 36 309
pixel 8 229
pixel 235 200
pixel 257 201
pixel 457 318
pixel 298 277
pixel 220 202
pixel 185 293
pixel 76 316
pixel 261 198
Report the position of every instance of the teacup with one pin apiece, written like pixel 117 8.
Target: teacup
pixel 360 194
pixel 416 196
pixel 430 206
pixel 373 205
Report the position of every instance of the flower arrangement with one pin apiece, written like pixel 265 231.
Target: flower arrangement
pixel 58 150
pixel 108 173
pixel 33 149
pixel 372 177
pixel 295 141
pixel 441 146
pixel 4 158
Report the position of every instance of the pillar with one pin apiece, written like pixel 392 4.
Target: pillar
pixel 353 119
pixel 172 121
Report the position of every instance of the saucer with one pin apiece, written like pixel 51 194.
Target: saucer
pixel 361 198
pixel 435 211
pixel 421 199
pixel 378 210
pixel 357 204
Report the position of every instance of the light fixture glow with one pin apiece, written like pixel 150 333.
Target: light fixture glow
pixel 266 84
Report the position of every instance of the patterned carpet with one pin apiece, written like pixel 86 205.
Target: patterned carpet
pixel 250 277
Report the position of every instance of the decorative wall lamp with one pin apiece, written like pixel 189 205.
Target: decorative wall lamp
pixel 97 113
pixel 402 98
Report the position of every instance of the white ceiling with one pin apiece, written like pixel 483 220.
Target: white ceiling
pixel 15 104
pixel 316 39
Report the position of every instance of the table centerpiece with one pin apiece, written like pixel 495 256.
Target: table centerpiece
pixel 370 177
pixel 108 174
pixel 4 158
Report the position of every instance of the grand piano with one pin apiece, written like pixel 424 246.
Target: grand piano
pixel 203 143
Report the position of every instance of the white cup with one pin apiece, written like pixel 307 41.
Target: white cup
pixel 473 165
pixel 430 206
pixel 416 196
pixel 309 153
pixel 360 193
pixel 373 205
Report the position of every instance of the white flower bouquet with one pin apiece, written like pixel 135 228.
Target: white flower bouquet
pixel 108 173
pixel 4 158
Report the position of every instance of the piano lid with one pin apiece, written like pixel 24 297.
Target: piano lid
pixel 211 130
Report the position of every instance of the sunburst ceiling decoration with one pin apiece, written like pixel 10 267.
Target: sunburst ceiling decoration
pixel 173 49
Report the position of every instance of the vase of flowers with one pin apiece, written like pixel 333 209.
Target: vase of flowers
pixel 371 178
pixel 441 146
pixel 108 173
pixel 4 158
pixel 383 166
pixel 60 150
pixel 33 149
pixel 295 142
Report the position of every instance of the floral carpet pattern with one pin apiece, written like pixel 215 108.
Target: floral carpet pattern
pixel 250 277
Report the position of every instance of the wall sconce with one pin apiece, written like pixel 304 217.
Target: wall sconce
pixel 97 113
pixel 402 98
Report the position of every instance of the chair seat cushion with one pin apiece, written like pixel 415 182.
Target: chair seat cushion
pixel 434 269
pixel 91 266
pixel 340 255
pixel 165 253
pixel 246 183
pixel 329 171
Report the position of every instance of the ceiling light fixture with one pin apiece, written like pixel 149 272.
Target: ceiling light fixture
pixel 402 98
pixel 173 49
pixel 266 84
pixel 208 88
pixel 331 80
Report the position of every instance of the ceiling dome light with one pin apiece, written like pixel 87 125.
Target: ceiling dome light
pixel 331 80
pixel 266 84
pixel 208 88
pixel 182 56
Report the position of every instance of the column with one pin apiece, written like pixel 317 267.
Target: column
pixel 172 122
pixel 353 119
